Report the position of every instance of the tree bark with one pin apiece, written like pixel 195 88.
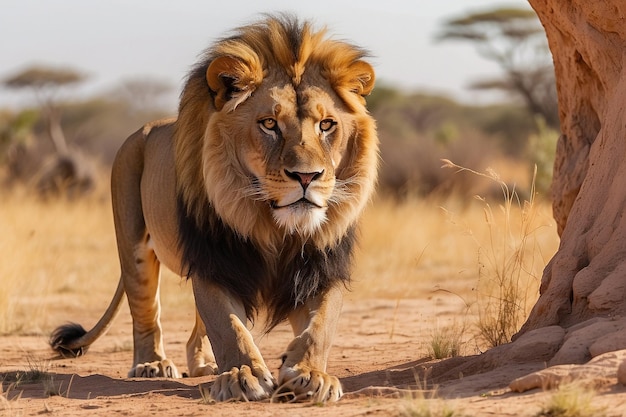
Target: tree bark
pixel 587 276
pixel 55 130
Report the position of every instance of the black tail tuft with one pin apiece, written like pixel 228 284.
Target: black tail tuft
pixel 64 336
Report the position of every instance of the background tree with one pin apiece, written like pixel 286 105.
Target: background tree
pixel 145 95
pixel 16 135
pixel 68 171
pixel 515 40
pixel 45 82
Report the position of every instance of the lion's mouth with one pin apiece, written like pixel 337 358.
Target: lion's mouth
pixel 303 216
pixel 303 202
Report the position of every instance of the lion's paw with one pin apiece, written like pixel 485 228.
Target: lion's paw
pixel 203 370
pixel 243 384
pixel 308 385
pixel 156 369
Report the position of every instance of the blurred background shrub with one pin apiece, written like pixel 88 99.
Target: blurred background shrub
pixel 60 143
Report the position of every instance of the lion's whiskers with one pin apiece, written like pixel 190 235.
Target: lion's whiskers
pixel 254 191
pixel 344 191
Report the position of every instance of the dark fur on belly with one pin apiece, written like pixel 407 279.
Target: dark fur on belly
pixel 215 252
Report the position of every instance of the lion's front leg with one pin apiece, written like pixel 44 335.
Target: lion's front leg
pixel 243 372
pixel 303 374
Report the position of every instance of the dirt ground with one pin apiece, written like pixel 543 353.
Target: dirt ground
pixel 379 355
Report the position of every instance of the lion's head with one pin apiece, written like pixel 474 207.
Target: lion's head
pixel 273 134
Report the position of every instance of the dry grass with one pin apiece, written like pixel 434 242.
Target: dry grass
pixel 60 253
pixel 571 400
pixel 50 249
pixel 55 251
pixel 46 250
pixel 422 407
pixel 415 247
pixel 447 341
pixel 60 262
pixel 508 278
pixel 490 255
pixel 423 402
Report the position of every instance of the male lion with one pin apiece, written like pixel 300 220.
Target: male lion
pixel 254 194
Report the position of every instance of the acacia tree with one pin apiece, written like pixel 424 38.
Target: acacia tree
pixel 45 83
pixel 515 40
pixel 68 172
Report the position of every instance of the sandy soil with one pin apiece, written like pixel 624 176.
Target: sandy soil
pixel 379 354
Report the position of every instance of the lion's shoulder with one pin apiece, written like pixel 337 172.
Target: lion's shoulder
pixel 148 127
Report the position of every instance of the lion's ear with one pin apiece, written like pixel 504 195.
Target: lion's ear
pixel 353 83
pixel 232 78
pixel 360 77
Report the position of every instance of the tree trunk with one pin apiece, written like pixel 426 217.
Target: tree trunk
pixel 580 317
pixel 55 130
pixel 587 276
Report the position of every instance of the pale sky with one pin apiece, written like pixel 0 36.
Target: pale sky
pixel 113 40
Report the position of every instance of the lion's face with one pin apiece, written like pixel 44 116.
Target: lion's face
pixel 286 144
pixel 290 143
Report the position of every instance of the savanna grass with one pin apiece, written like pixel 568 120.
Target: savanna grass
pixel 60 251
pixel 424 402
pixel 508 261
pixel 571 400
pixel 446 342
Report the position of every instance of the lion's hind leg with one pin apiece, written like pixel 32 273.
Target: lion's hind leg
pixel 138 261
pixel 142 286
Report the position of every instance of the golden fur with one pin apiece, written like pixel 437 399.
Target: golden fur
pixel 254 193
pixel 261 49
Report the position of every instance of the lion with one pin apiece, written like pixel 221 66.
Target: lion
pixel 254 193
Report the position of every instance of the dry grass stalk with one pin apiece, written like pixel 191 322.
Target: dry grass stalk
pixel 507 281
pixel 571 400
pixel 424 402
pixel 446 342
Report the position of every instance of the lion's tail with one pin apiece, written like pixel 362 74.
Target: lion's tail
pixel 72 340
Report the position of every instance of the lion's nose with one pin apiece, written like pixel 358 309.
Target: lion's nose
pixel 304 178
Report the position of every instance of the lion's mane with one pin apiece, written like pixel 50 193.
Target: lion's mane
pixel 230 238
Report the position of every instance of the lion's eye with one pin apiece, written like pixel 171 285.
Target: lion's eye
pixel 327 125
pixel 269 124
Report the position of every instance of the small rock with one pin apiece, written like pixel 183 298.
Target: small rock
pixel 536 345
pixel 599 371
pixel 609 342
pixel 579 339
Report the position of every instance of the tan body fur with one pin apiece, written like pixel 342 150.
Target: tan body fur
pixel 275 155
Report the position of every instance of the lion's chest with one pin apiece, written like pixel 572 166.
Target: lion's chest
pixel 278 283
